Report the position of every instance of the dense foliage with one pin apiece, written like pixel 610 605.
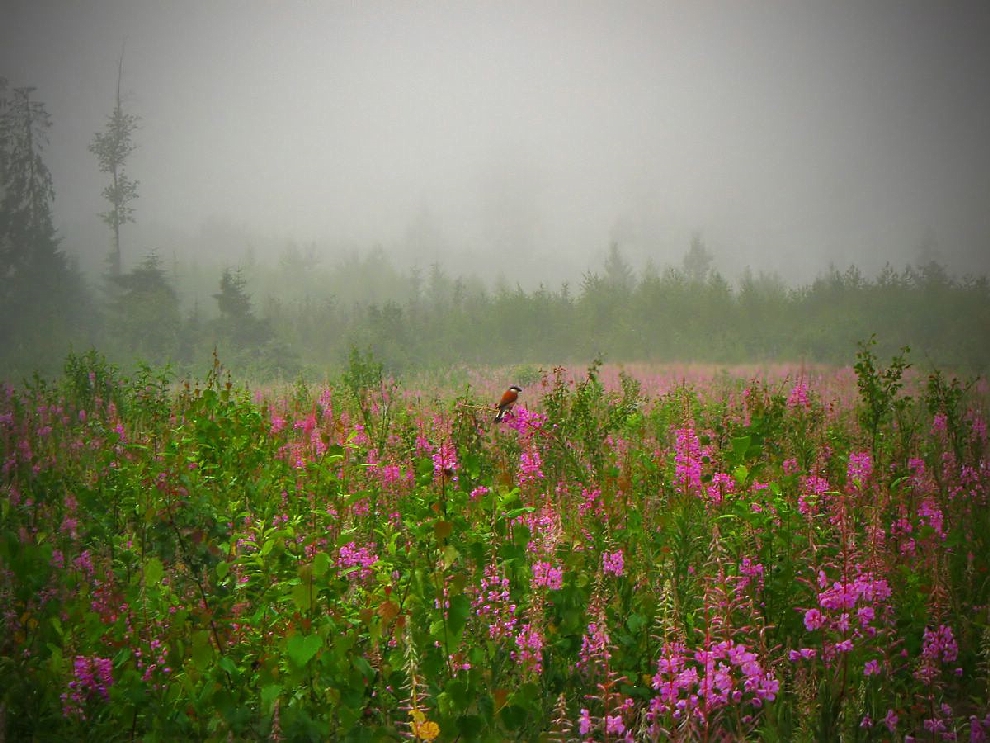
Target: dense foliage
pixel 798 557
pixel 273 324
pixel 676 315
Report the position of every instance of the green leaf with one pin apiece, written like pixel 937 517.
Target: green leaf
pixel 228 665
pixel 363 666
pixel 153 572
pixel 470 726
pixel 302 648
pixel 321 563
pixel 202 650
pixel 513 716
pixel 741 474
pixel 269 694
pixel 740 445
pixel 457 615
pixel 302 596
pixel 437 629
pixel 223 569
pixel 450 555
pixel 458 691
pixel 636 622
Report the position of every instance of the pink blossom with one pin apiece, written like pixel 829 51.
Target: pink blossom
pixel 860 468
pixel 445 460
pixel 798 397
pixel 614 725
pixel 613 563
pixel 594 647
pixel 529 649
pixel 722 485
pixel 547 576
pixel 813 619
pixel 363 559
pixel 529 467
pixel 493 604
pixel 584 722
pixel 687 460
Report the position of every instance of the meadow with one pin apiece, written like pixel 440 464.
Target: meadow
pixel 636 554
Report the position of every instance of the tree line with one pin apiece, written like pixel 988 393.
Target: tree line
pixel 681 313
pixel 303 318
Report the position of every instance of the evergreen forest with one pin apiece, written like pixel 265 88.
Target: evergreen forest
pixel 302 315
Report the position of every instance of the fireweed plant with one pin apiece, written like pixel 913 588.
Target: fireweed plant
pixel 798 558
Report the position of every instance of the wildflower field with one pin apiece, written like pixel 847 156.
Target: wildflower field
pixel 790 556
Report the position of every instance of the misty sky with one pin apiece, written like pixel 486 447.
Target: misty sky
pixel 522 137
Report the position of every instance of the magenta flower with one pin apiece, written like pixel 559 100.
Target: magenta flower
pixel 939 645
pixel 529 467
pixel 687 460
pixel 547 576
pixel 594 647
pixel 722 485
pixel 614 725
pixel 445 460
pixel 813 619
pixel 363 559
pixel 726 673
pixel 584 722
pixel 92 678
pixel 493 604
pixel 802 654
pixel 529 649
pixel 613 563
pixel 798 397
pixel 860 468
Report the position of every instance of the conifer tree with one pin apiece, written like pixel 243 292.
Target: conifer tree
pixel 40 296
pixel 112 147
pixel 144 316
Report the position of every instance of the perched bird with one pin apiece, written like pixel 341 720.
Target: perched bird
pixel 509 398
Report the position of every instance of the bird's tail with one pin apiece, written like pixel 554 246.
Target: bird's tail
pixel 499 416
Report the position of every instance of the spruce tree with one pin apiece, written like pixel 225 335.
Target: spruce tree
pixel 112 147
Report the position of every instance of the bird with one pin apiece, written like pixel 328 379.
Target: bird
pixel 509 398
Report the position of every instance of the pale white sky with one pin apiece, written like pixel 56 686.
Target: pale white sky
pixel 531 134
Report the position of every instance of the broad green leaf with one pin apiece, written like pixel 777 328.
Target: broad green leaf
pixel 741 474
pixel 457 615
pixel 202 650
pixel 450 555
pixel 513 716
pixel 269 694
pixel 740 445
pixel 302 648
pixel 302 596
pixel 636 622
pixel 321 563
pixel 363 666
pixel 153 572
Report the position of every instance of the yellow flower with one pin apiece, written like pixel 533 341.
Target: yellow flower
pixel 426 730
pixel 422 728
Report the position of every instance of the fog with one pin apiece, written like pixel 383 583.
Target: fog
pixel 518 139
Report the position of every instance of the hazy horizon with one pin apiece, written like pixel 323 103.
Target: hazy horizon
pixel 520 139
